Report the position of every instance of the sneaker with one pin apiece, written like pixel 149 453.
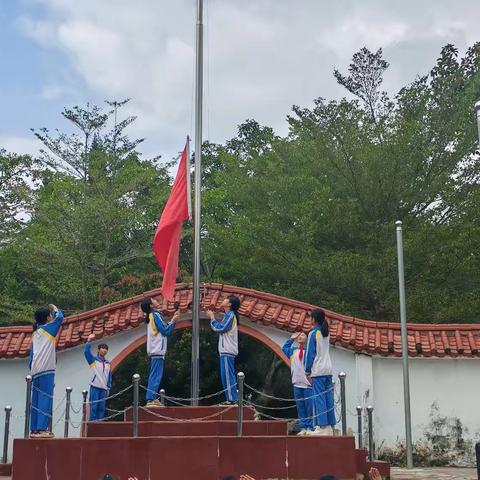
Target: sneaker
pixel 153 403
pixel 227 402
pixel 302 432
pixel 45 434
pixel 320 431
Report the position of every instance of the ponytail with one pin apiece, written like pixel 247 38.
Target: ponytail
pixel 146 307
pixel 318 316
pixel 234 306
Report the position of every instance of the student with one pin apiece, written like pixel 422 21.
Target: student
pixel 302 389
pixel 42 368
pixel 227 329
pixel 318 365
pixel 157 333
pixel 101 381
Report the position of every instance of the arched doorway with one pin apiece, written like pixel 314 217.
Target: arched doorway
pixel 187 324
pixel 261 359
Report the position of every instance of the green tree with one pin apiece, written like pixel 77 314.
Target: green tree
pixel 92 225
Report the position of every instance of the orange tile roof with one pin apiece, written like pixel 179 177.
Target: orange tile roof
pixel 374 338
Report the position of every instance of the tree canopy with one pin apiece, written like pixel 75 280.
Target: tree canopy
pixel 310 215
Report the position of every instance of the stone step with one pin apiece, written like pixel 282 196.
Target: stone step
pixel 180 458
pixel 214 412
pixel 189 428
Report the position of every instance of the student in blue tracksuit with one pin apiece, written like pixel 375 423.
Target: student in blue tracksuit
pixel 101 382
pixel 157 332
pixel 227 329
pixel 318 365
pixel 302 389
pixel 48 322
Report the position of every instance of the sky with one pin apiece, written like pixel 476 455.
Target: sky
pixel 261 57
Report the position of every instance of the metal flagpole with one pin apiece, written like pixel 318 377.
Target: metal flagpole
pixel 197 217
pixel 403 326
pixel 477 109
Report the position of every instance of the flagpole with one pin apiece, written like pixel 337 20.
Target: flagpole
pixel 195 384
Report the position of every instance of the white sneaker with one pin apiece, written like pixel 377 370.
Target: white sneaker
pixel 320 431
pixel 302 432
pixel 153 403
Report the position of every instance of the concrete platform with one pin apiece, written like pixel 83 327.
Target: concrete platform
pixel 181 458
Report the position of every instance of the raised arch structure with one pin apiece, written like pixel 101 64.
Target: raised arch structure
pixel 444 358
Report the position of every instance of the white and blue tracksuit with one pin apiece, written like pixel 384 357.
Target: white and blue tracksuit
pixel 318 365
pixel 42 369
pixel 228 350
pixel 302 390
pixel 157 333
pixel 100 384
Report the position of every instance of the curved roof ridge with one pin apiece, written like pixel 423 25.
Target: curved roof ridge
pixel 359 335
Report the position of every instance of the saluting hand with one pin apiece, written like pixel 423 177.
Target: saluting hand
pixel 295 335
pixel 211 314
pixel 91 338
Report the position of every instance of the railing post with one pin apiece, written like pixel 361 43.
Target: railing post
pixel 68 391
pixel 359 426
pixel 477 456
pixel 136 382
pixel 240 379
pixel 28 406
pixel 84 412
pixel 162 397
pixel 342 376
pixel 8 410
pixel 371 453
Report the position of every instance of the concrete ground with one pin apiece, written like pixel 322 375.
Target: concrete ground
pixel 441 473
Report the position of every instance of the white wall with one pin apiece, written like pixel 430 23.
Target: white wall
pixel 453 384
pixel 72 371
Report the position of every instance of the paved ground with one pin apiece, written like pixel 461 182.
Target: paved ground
pixel 443 473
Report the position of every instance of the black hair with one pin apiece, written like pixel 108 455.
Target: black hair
pixel 318 317
pixel 229 477
pixel 146 307
pixel 41 317
pixel 328 477
pixel 102 345
pixel 234 306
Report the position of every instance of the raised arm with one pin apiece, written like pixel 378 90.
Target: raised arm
pixel 287 347
pixel 87 350
pixel 224 325
pixel 53 327
pixel 167 329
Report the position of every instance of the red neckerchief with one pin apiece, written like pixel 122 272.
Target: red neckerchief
pixel 300 355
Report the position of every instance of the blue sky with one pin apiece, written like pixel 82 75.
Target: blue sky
pixel 262 56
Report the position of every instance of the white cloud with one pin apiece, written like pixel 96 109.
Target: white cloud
pixel 262 56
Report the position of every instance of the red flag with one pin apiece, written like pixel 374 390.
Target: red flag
pixel 166 242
